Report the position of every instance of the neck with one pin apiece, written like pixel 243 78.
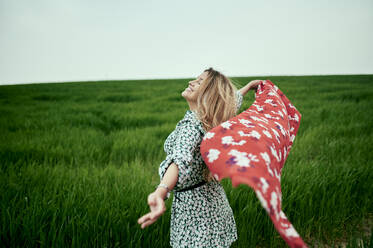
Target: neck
pixel 192 106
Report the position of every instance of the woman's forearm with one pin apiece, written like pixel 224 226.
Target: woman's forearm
pixel 170 178
pixel 245 89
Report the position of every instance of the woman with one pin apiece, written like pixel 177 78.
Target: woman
pixel 200 214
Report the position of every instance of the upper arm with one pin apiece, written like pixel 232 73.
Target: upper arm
pixel 188 138
pixel 187 141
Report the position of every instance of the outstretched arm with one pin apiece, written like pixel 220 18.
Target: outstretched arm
pixel 251 85
pixel 156 199
pixel 173 170
pixel 170 178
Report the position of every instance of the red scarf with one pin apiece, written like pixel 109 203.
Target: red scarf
pixel 252 147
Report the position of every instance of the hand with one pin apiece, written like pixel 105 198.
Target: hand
pixel 254 84
pixel 157 208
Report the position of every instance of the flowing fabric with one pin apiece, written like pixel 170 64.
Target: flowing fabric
pixel 251 148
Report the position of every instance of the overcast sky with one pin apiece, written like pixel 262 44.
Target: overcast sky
pixel 71 40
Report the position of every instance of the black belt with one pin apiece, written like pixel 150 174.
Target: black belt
pixel 191 187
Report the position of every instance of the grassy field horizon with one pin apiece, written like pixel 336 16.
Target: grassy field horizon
pixel 252 77
pixel 78 159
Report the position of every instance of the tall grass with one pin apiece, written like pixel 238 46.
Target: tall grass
pixel 77 161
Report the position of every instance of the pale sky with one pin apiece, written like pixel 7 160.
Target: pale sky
pixel 72 40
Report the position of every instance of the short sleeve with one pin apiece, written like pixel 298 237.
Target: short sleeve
pixel 187 140
pixel 239 98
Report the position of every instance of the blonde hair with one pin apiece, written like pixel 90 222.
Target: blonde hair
pixel 216 103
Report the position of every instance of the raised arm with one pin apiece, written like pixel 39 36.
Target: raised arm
pixel 251 85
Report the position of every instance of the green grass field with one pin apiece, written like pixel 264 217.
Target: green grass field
pixel 78 160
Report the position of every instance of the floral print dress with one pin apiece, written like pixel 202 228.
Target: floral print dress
pixel 200 217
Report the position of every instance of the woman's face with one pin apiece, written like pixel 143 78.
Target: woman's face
pixel 191 92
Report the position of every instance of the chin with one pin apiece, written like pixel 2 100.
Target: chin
pixel 185 95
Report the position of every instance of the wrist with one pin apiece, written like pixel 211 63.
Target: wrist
pixel 162 191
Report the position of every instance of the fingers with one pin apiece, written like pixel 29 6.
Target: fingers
pixel 147 223
pixel 147 219
pixel 157 208
pixel 153 215
pixel 150 218
pixel 156 212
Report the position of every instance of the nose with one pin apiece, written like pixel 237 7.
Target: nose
pixel 191 83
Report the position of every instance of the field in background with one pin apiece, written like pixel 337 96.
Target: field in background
pixel 77 161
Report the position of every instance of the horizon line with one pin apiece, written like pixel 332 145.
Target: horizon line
pixel 162 78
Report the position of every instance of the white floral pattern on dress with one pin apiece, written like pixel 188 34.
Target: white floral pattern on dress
pixel 201 217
